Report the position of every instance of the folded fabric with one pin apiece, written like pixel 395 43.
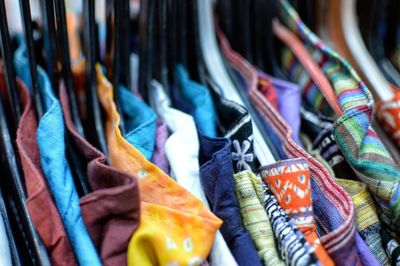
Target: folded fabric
pixel 255 218
pixel 51 144
pixel 289 181
pixel 235 123
pixel 216 175
pixel 39 201
pixel 294 248
pixel 140 129
pixel 200 99
pixel 159 158
pixel 336 222
pixel 185 163
pixel 288 100
pixel 111 212
pixel 169 213
pixel 353 132
pixel 367 220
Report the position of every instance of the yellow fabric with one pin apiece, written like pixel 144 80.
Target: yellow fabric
pixel 175 228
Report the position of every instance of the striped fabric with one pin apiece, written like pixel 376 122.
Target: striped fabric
pixel 255 218
pixel 367 221
pixel 333 209
pixel 356 138
pixel 293 247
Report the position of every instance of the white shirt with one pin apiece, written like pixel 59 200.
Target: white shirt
pixel 182 150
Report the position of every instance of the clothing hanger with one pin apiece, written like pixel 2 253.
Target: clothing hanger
pixel 348 41
pixel 146 28
pixel 218 73
pixel 77 169
pixel 63 46
pixel 198 72
pixel 30 246
pixel 50 40
pixel 160 44
pixel 28 30
pixel 6 53
pixel 114 50
pixel 92 101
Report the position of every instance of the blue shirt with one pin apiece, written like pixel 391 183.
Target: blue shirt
pixel 140 122
pixel 216 174
pixel 50 137
pixel 200 99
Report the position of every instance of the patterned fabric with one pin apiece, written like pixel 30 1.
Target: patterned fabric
pixel 392 247
pixel 388 114
pixel 334 211
pixel 216 173
pixel 289 181
pixel 159 158
pixel 353 132
pixel 367 221
pixel 293 247
pixel 169 214
pixel 235 123
pixel 255 218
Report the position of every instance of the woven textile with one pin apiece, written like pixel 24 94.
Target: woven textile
pixel 289 180
pixel 255 218
pixel 293 247
pixel 353 132
pixel 169 213
pixel 367 221
pixel 334 211
pixel 388 115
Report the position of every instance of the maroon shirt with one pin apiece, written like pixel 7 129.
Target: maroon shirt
pixel 111 212
pixel 40 204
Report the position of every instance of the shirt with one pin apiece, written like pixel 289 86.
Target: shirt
pixel 353 132
pixel 169 213
pixel 336 221
pixel 185 163
pixel 289 180
pixel 216 174
pixel 200 98
pixel 140 129
pixel 50 138
pixel 39 201
pixel 255 218
pixel 111 212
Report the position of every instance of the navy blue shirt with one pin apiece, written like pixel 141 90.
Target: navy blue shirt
pixel 216 174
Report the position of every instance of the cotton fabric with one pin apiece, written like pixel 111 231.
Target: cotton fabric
pixel 169 213
pixel 185 163
pixel 216 173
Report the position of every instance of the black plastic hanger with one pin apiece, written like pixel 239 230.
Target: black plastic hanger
pixel 63 46
pixel 28 30
pixel 77 169
pixel 198 70
pixel 50 40
pixel 30 247
pixel 113 51
pixel 146 29
pixel 94 112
